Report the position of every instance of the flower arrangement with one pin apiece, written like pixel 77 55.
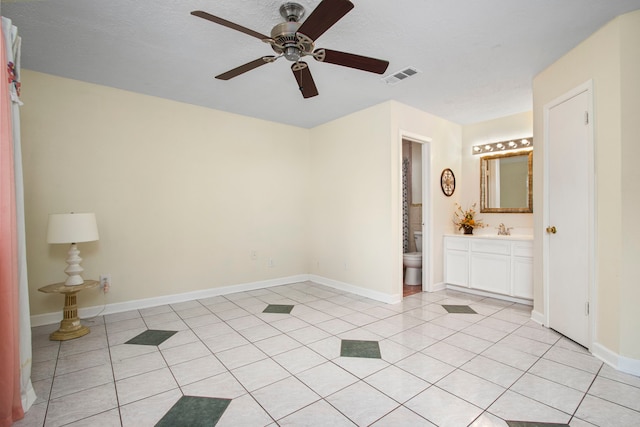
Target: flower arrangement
pixel 466 219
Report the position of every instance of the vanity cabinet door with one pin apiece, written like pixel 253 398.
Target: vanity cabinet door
pixel 456 261
pixel 457 267
pixel 491 272
pixel 523 277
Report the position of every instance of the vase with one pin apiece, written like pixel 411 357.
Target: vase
pixel 467 229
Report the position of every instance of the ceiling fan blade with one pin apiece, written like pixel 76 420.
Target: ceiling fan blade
pixel 327 13
pixel 246 67
pixel 351 60
pixel 229 24
pixel 305 81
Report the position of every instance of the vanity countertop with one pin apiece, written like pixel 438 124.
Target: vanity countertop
pixel 493 236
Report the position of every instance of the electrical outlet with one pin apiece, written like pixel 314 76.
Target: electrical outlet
pixel 271 263
pixel 254 255
pixel 105 282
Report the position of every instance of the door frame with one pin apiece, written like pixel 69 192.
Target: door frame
pixel 427 206
pixel 591 210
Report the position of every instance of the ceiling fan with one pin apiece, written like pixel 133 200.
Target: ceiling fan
pixel 295 40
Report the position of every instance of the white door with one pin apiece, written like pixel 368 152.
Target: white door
pixel 569 215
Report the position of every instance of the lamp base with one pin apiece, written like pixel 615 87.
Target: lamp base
pixel 74 281
pixel 74 270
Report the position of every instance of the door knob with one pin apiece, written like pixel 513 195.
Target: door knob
pixel 551 230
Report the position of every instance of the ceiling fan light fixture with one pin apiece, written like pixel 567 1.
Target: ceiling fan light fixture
pixel 292 53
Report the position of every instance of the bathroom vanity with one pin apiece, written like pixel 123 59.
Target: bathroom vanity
pixel 498 266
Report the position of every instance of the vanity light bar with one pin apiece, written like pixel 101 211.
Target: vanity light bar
pixel 498 147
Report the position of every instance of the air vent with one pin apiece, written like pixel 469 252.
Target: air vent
pixel 399 76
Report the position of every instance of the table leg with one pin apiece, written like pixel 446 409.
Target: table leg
pixel 70 326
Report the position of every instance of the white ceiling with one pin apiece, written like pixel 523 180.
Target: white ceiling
pixel 477 57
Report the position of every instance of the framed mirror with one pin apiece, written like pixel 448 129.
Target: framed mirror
pixel 506 182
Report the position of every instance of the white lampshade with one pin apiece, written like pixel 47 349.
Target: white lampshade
pixel 72 228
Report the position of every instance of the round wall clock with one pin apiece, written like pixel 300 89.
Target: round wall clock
pixel 448 182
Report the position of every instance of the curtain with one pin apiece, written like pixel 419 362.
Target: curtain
pixel 13 55
pixel 15 356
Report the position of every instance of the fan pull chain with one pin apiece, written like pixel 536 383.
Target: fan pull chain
pixel 300 85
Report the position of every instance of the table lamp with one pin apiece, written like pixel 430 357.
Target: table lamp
pixel 72 228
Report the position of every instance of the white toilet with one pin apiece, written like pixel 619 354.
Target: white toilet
pixel 413 262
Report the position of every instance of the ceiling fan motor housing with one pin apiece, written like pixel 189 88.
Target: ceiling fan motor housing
pixel 289 42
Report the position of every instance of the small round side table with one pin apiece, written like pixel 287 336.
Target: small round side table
pixel 70 326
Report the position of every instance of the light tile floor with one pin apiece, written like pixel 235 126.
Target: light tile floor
pixel 436 368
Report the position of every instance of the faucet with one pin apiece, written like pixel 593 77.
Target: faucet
pixel 504 231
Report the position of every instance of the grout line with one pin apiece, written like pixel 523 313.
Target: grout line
pixel 323 300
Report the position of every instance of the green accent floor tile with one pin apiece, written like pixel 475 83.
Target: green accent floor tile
pixel 151 337
pixel 534 424
pixel 278 308
pixel 355 348
pixel 192 411
pixel 465 309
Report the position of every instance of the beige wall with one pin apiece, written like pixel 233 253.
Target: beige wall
pixel 350 235
pixel 609 58
pixel 444 144
pixel 356 229
pixel 182 194
pixel 630 183
pixel 502 129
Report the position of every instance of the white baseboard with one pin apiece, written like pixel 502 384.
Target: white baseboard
pixel 538 317
pixel 629 365
pixel 489 294
pixel 86 312
pixel 375 295
pixel 118 307
pixel 438 287
pixel 621 363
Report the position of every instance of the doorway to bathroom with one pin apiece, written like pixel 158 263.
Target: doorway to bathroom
pixel 414 203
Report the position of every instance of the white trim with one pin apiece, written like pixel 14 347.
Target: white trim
pixel 629 365
pixel 427 216
pixel 374 295
pixel 86 312
pixel 440 286
pixel 592 212
pixel 427 221
pixel 537 317
pixel 489 294
pixel 620 363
